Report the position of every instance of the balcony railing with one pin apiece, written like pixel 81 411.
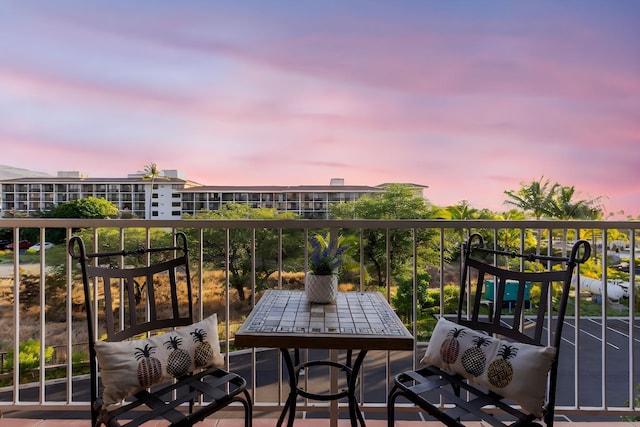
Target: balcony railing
pixel 40 300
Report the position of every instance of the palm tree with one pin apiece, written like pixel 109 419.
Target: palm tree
pixel 462 211
pixel 151 172
pixel 563 207
pixel 536 197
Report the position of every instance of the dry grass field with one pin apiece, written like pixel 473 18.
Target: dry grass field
pixel 56 327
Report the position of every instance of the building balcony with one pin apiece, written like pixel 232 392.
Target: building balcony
pixel 233 261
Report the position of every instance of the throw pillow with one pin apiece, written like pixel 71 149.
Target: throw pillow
pixel 513 370
pixel 127 367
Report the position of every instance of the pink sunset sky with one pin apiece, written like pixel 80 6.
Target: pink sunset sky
pixel 469 98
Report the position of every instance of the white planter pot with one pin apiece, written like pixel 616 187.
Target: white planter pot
pixel 321 289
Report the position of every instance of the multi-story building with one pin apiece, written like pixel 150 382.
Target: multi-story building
pixel 170 195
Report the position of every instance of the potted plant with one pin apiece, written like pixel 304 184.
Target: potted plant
pixel 321 284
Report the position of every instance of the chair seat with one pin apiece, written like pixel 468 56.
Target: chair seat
pixel 215 387
pixel 425 386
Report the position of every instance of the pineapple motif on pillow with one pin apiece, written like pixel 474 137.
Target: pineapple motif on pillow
pixel 451 346
pixel 149 367
pixel 500 371
pixel 203 353
pixel 474 360
pixel 179 360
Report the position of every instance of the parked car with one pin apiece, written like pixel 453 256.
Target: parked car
pixel 3 243
pixel 24 244
pixel 45 245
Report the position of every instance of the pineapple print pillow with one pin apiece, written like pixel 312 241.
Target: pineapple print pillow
pixel 127 367
pixel 513 370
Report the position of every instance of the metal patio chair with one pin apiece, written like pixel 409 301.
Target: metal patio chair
pixel 148 359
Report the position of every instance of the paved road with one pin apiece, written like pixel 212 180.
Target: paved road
pixel 6 269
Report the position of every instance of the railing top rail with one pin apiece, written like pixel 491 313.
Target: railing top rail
pixel 317 223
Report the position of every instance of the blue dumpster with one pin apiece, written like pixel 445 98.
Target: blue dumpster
pixel 510 292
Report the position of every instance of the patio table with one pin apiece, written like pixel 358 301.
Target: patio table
pixel 360 321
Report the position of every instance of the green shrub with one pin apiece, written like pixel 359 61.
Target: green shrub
pixel 403 299
pixel 636 402
pixel 29 356
pixel 450 294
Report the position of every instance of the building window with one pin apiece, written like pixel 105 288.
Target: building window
pixel 175 213
pixel 154 213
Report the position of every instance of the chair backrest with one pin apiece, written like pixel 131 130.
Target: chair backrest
pixel 132 293
pixel 512 277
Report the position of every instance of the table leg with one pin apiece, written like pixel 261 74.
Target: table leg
pixel 355 414
pixel 352 371
pixel 334 413
pixel 290 405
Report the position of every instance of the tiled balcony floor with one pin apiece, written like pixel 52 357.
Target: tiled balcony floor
pixel 271 422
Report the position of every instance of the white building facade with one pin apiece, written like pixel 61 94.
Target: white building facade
pixel 170 195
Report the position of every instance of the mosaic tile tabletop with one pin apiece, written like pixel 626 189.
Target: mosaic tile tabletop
pixel 357 320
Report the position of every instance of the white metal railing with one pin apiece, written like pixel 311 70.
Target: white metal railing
pixel 598 359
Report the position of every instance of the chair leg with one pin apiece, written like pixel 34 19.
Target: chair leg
pixel 248 414
pixel 391 401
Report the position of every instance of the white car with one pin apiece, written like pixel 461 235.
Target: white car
pixel 45 245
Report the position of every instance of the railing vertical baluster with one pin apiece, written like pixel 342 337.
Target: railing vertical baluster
pixel 604 305
pixel 577 339
pixel 634 386
pixel 69 321
pixel 16 315
pixel 43 314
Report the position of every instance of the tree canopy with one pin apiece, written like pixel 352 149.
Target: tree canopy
pixel 544 199
pixel 89 207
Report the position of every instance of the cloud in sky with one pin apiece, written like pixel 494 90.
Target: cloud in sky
pixel 468 98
